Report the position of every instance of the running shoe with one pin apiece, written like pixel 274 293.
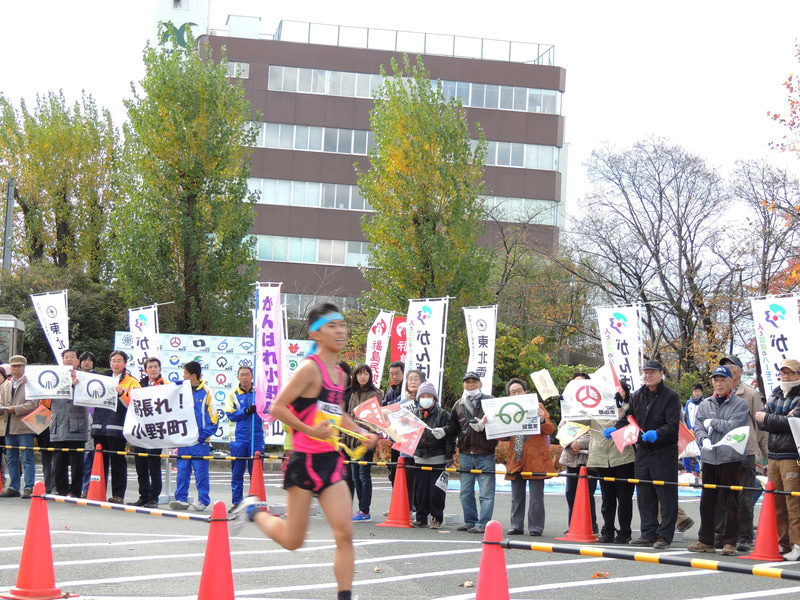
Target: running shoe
pixel 243 513
pixel 178 505
pixel 199 506
pixel 360 517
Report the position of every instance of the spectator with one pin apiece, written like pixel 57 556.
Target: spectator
pixel 573 457
pixel 395 390
pixel 348 391
pixel 3 376
pixel 148 468
pixel 362 389
pixel 14 406
pixel 718 415
pixel 87 362
pixel 414 379
pixel 42 440
pixel 756 443
pixel 528 454
pixel 687 417
pixel 206 418
pixel 435 450
pixel 657 410
pixel 69 428
pixel 475 452
pixel 107 427
pixel 606 460
pixel 247 432
pixel 783 469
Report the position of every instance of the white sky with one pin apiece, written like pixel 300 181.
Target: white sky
pixel 703 73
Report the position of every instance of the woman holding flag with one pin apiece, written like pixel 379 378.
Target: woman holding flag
pixel 311 403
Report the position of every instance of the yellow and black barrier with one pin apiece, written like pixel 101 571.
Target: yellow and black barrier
pixel 153 512
pixel 652 558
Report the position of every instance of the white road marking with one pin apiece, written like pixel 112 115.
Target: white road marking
pixel 756 594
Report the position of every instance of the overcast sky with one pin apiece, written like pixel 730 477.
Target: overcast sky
pixel 703 73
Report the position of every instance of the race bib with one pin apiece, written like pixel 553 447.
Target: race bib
pixel 328 411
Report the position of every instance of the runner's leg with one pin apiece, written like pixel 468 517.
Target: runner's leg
pixel 290 533
pixel 335 502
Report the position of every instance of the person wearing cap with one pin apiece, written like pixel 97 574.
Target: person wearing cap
pixel 657 409
pixel 435 449
pixel 476 451
pixel 756 447
pixel 69 428
pixel 688 418
pixel 716 417
pixel 783 469
pixel 14 406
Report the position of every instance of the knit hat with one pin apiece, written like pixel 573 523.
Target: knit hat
pixel 427 389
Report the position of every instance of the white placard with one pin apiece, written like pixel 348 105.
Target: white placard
pixel 481 337
pixel 512 415
pixel 777 326
pixel 377 344
pixel 586 399
pixel 161 416
pixel 95 391
pixel 621 342
pixel 544 384
pixel 51 308
pixel 48 382
pixel 426 326
pixel 143 326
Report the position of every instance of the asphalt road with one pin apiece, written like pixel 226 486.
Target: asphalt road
pixel 101 555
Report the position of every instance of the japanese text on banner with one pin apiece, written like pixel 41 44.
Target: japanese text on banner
pixel 481 333
pixel 143 325
pixel 43 382
pixel 620 338
pixel 161 416
pixel 51 309
pixel 269 348
pixel 95 391
pixel 425 335
pixel 377 343
pixel 777 326
pixel 584 400
pixel 398 340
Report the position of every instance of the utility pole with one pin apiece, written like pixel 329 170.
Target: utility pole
pixel 7 245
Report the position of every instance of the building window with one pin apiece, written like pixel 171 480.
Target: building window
pixel 363 85
pixel 312 251
pixel 298 305
pixel 240 70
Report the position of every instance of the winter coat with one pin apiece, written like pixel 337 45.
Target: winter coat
pixel 107 422
pixel 429 446
pixel 757 442
pixel 573 460
pixel 725 415
pixel 603 453
pixel 68 423
pixel 242 424
pixel 22 408
pixel 659 411
pixel 535 452
pixel 469 440
pixel 781 443
pixel 393 395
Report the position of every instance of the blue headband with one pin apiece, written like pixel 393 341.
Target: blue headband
pixel 319 323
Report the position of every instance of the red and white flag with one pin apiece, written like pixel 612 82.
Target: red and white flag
pixel 626 436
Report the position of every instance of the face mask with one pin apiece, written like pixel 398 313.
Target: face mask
pixel 472 394
pixel 787 386
pixel 426 403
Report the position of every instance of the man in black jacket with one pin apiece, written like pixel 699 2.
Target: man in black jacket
pixel 148 468
pixel 657 410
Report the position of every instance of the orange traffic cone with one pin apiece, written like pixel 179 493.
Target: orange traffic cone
pixel 766 547
pixel 216 582
pixel 257 479
pixel 97 481
pixel 399 510
pixel 36 579
pixel 580 527
pixel 492 576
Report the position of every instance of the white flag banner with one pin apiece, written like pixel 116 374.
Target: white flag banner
pixel 586 399
pixel 777 326
pixel 513 415
pixel 161 416
pixel 544 383
pixel 378 343
pixel 426 333
pixel 481 336
pixel 736 439
pixel 95 391
pixel 51 309
pixel 143 325
pixel 621 341
pixel 48 382
pixel 269 362
pixel 794 425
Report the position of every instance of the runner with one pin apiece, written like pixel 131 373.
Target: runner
pixel 309 403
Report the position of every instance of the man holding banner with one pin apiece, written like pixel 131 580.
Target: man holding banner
pixel 657 410
pixel 69 428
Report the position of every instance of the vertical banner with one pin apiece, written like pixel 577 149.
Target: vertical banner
pixel 426 333
pixel 619 335
pixel 51 309
pixel 269 346
pixel 377 343
pixel 143 325
pixel 777 326
pixel 398 340
pixel 481 337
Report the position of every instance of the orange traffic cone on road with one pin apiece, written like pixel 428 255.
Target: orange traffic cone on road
pixel 257 479
pixel 399 515
pixel 492 576
pixel 216 581
pixel 580 526
pixel 36 579
pixel 97 481
pixel 766 547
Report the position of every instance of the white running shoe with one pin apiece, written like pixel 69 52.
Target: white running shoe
pixel 199 506
pixel 178 505
pixel 794 554
pixel 240 515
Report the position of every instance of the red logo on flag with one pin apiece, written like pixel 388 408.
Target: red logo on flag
pixel 588 396
pixel 379 328
pixel 174 342
pixel 221 379
pixel 293 348
pixel 398 341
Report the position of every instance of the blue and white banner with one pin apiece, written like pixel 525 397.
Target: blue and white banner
pixel 95 391
pixel 48 382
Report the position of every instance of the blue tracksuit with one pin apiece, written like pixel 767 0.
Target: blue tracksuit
pixel 207 425
pixel 247 437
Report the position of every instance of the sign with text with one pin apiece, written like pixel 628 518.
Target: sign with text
pixel 95 391
pixel 481 335
pixel 377 343
pixel 512 415
pixel 398 340
pixel 621 342
pixel 777 326
pixel 161 416
pixel 586 399
pixel 43 382
pixel 51 309
pixel 426 333
pixel 143 326
pixel 269 347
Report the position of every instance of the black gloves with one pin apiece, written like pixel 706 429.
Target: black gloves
pixel 250 410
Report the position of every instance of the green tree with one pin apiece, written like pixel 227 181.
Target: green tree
pixel 183 234
pixel 425 185
pixel 64 161
pixel 95 309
